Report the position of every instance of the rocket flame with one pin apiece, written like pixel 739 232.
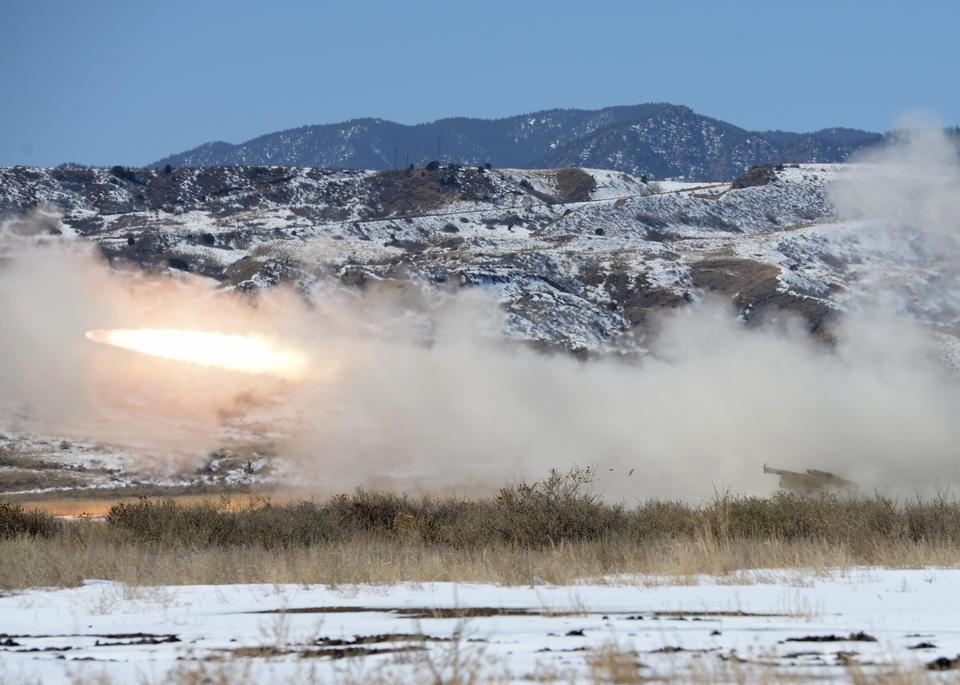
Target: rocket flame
pixel 230 351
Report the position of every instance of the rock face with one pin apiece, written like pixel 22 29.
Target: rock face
pixel 579 259
pixel 656 140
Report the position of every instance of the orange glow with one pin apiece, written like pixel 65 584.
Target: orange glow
pixel 254 354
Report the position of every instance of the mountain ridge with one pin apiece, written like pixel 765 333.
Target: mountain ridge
pixel 658 140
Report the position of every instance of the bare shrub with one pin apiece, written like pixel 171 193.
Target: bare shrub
pixel 16 521
pixel 556 509
pixel 574 185
pixel 204 525
pixel 560 508
pixel 554 530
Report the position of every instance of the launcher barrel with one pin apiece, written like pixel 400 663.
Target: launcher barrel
pixel 779 472
pixel 812 481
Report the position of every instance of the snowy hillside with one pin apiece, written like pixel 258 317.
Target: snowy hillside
pixel 578 258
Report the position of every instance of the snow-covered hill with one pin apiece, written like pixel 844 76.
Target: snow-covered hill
pixel 578 258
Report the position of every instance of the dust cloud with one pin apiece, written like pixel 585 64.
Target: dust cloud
pixel 429 394
pixel 906 193
pixel 909 183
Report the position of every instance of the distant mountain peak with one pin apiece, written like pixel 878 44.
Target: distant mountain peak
pixel 658 140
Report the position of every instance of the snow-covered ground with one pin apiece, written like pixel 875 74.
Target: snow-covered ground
pixel 802 625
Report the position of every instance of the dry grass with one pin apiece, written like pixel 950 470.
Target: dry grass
pixel 92 551
pixel 551 530
pixel 613 663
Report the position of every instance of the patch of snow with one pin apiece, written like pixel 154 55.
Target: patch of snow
pixel 675 626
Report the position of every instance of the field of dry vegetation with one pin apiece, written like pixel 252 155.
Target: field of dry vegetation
pixel 549 531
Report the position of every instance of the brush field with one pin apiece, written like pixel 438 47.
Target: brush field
pixel 553 529
pixel 542 582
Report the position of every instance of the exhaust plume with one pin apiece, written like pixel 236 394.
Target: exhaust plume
pixel 253 354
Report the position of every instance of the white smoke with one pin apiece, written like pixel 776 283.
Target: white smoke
pixel 428 394
pixel 909 183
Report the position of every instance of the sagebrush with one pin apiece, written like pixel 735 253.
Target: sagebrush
pixel 553 530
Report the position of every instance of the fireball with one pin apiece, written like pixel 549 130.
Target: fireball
pixel 254 354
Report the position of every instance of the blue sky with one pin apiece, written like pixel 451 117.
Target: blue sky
pixel 127 82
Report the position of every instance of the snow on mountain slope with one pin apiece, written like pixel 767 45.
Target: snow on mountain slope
pixel 577 257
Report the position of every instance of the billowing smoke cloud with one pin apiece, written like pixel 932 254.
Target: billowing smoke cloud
pixel 54 382
pixel 428 394
pixel 906 195
pixel 712 405
pixel 910 183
